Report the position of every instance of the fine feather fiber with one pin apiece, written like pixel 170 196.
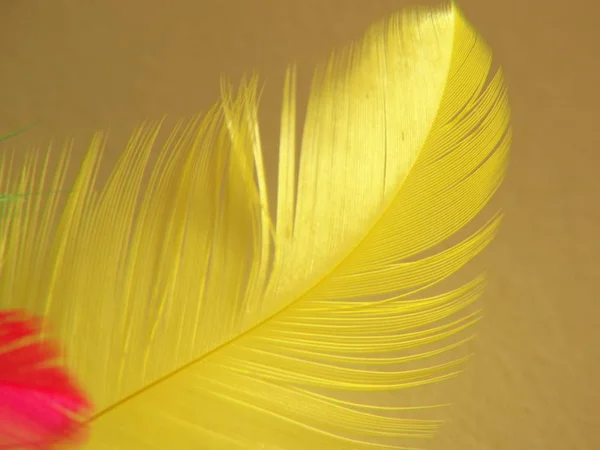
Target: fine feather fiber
pixel 6 198
pixel 195 320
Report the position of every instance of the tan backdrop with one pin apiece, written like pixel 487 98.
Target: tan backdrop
pixel 79 66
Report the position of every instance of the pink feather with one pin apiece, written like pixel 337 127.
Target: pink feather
pixel 40 403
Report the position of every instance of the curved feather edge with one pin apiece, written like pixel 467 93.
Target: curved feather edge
pixel 197 322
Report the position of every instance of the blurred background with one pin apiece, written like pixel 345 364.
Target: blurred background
pixel 80 66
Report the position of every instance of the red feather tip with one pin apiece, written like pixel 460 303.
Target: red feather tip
pixel 40 404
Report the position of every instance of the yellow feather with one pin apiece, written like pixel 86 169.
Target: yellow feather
pixel 197 322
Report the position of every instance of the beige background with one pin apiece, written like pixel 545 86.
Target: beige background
pixel 80 65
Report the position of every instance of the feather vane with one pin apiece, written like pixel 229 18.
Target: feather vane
pixel 195 321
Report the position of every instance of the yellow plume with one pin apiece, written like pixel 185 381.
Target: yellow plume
pixel 195 321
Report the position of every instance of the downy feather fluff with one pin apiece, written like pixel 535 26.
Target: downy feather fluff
pixel 194 320
pixel 38 397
